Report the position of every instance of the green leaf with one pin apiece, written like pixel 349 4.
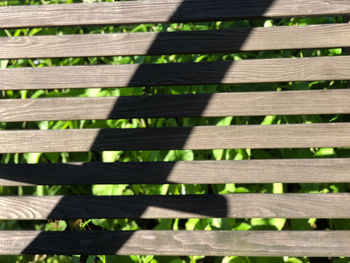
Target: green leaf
pixel 300 224
pixel 117 189
pixel 164 224
pixel 277 222
pixel 335 51
pixel 91 259
pixel 111 156
pixel 243 227
pixel 325 152
pixel 75 259
pixel 241 190
pixel 278 188
pixel 268 120
pixel 59 225
pixel 224 121
pixel 32 158
pixel 268 23
pixel 218 154
pixel 4 63
pixel 294 260
pixel 184 155
pixel 231 188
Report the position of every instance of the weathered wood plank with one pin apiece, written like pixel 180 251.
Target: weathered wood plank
pixel 245 39
pixel 148 242
pixel 200 137
pixel 163 11
pixel 204 105
pixel 243 71
pixel 176 206
pixel 189 172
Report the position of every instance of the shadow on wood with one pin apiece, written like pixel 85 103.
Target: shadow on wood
pixel 157 75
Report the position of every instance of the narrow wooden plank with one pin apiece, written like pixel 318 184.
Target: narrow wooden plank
pixel 176 206
pixel 189 172
pixel 244 39
pixel 200 137
pixel 163 11
pixel 204 105
pixel 148 242
pixel 243 71
pixel 346 19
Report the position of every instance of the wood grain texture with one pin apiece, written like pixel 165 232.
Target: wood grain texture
pixel 204 105
pixel 243 71
pixel 176 206
pixel 245 39
pixel 199 137
pixel 189 172
pixel 252 243
pixel 148 242
pixel 163 11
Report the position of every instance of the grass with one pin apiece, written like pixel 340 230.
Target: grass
pixel 187 155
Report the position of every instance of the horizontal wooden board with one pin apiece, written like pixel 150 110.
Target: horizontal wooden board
pixel 189 172
pixel 200 137
pixel 244 39
pixel 177 206
pixel 243 71
pixel 199 105
pixel 148 242
pixel 163 11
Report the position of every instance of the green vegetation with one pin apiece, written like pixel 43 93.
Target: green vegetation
pixel 140 156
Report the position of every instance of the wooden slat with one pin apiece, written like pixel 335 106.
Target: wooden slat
pixel 163 11
pixel 245 39
pixel 177 206
pixel 200 137
pixel 244 71
pixel 189 172
pixel 148 242
pixel 204 105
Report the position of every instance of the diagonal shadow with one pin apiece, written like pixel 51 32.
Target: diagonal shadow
pixel 41 242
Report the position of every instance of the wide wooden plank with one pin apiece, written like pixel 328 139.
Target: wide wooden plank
pixel 200 137
pixel 163 11
pixel 177 206
pixel 189 172
pixel 243 71
pixel 204 105
pixel 148 242
pixel 244 39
